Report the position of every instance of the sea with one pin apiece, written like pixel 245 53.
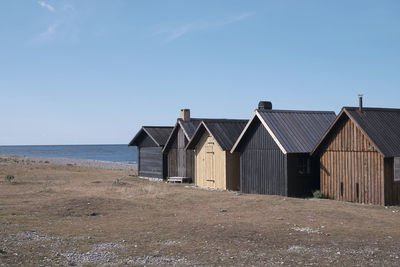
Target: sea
pixel 115 153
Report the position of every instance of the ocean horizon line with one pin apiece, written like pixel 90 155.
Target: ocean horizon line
pixel 106 152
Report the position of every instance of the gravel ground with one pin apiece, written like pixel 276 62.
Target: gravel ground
pixel 24 160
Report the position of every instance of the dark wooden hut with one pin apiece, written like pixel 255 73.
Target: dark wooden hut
pixel 215 166
pixel 181 160
pixel 150 140
pixel 359 156
pixel 275 151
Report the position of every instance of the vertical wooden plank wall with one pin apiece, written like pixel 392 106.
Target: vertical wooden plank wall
pixel 172 156
pixel 151 162
pixel 351 159
pixel 180 161
pixel 262 164
pixel 150 158
pixel 181 153
pixel 190 170
pixel 232 170
pixel 172 159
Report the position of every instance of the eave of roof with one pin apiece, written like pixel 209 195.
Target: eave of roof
pixel 257 114
pixel 195 138
pixel 342 113
pixel 142 130
pixel 166 146
pixel 145 130
pixel 293 131
pixel 178 125
pixel 203 127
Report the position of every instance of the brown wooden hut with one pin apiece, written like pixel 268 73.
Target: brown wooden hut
pixel 181 160
pixel 150 140
pixel 215 166
pixel 275 151
pixel 360 156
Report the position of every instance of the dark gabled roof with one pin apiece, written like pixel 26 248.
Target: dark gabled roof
pixel 224 131
pixel 188 127
pixel 293 131
pixel 380 125
pixel 159 134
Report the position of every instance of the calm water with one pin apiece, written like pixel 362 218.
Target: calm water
pixel 116 153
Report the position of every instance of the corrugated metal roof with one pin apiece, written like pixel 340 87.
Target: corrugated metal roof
pixel 189 127
pixel 295 131
pixel 159 134
pixel 224 131
pixel 381 125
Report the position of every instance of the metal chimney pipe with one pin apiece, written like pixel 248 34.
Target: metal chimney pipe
pixel 360 106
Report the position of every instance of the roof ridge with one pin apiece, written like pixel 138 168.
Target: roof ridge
pixel 294 111
pixel 157 126
pixel 225 120
pixel 191 119
pixel 373 108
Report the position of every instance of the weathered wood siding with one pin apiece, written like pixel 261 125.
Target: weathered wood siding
pixel 180 161
pixel 351 169
pixel 262 164
pixel 190 156
pixel 232 170
pixel 392 188
pixel 151 162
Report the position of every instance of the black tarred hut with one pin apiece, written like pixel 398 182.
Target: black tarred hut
pixel 275 151
pixel 150 140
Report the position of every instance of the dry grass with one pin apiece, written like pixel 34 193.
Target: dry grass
pixel 59 215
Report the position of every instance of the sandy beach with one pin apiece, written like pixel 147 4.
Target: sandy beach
pixel 61 214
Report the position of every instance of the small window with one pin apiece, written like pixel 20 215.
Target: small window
pixel 341 189
pixel 304 166
pixel 357 190
pixel 396 169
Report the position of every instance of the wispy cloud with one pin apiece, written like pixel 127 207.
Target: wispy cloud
pixel 238 18
pixel 51 30
pixel 45 5
pixel 173 33
pixel 63 29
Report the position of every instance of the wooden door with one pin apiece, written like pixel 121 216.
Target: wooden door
pixel 209 164
pixel 181 160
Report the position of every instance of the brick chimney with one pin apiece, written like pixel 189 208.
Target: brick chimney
pixel 185 114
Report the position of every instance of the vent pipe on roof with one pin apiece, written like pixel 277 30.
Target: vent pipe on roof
pixel 360 101
pixel 264 105
pixel 185 114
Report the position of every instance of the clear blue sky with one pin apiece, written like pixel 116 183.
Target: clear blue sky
pixel 93 72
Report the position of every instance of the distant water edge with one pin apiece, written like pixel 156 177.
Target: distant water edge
pixel 114 153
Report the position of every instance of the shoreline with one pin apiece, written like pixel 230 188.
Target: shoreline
pixel 90 163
